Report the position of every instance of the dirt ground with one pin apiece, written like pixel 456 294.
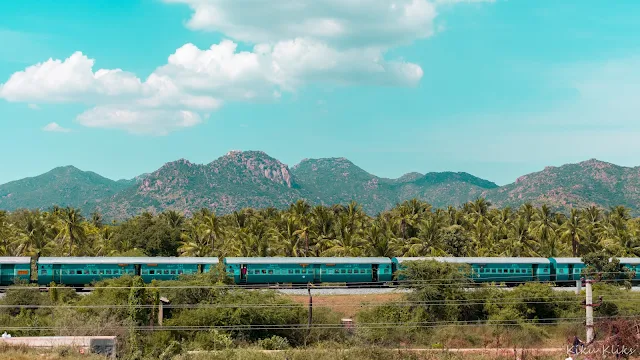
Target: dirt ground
pixel 346 305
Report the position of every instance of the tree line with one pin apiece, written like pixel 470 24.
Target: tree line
pixel 411 228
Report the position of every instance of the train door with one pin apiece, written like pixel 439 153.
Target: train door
pixel 57 274
pixel 570 275
pixel 6 274
pixel 535 272
pixel 374 272
pixel 317 276
pixel 243 273
pixel 137 269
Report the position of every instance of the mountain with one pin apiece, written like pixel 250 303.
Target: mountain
pixel 339 181
pixel 62 186
pixel 445 188
pixel 232 182
pixel 587 183
pixel 242 179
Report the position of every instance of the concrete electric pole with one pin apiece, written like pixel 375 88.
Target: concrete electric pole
pixel 589 306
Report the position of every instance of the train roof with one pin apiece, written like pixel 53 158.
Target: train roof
pixel 15 260
pixel 629 260
pixel 479 260
pixel 567 260
pixel 128 260
pixel 307 260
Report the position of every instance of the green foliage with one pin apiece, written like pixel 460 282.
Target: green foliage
pixel 213 340
pixel 599 267
pixel 274 343
pixel 411 228
pixel 439 287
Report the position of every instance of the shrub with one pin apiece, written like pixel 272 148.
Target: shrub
pixel 274 343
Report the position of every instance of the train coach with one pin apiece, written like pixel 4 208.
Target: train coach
pixel 302 270
pixel 14 269
pixel 494 269
pixel 78 271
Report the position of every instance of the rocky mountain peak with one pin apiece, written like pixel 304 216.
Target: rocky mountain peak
pixel 255 164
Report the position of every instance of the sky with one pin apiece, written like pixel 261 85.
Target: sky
pixel 495 88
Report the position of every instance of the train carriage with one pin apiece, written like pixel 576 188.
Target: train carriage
pixel 633 265
pixel 566 270
pixel 14 269
pixel 495 269
pixel 86 270
pixel 170 268
pixel 302 270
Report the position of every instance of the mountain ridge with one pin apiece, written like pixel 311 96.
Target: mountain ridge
pixel 241 179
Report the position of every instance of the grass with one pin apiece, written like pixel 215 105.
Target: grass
pixel 62 353
pixel 355 354
pixel 346 305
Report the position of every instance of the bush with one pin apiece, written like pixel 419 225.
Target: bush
pixel 274 343
pixel 213 340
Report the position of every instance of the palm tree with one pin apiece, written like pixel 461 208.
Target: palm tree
pixel 195 242
pixel 572 231
pixel 212 226
pixel 543 226
pixel 72 226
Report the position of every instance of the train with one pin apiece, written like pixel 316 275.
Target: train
pixel 82 271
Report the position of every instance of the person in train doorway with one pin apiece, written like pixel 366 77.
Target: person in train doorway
pixel 244 272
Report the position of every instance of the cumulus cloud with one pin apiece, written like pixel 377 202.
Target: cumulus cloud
pixel 295 43
pixel 54 127
pixel 70 80
pixel 354 23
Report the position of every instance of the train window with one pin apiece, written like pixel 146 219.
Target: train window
pixel 343 271
pixel 297 271
pixel 270 271
pixel 152 272
pixel 173 272
pixel 500 271
pixel 546 270
pixel 179 272
pixel 511 271
pixel 264 271
pixel 166 272
pixel 86 272
pixel 94 272
pixel 108 272
pixel 43 272
pixel 101 272
pixel 356 271
pixel 323 271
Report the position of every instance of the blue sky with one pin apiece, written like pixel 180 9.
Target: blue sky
pixel 495 88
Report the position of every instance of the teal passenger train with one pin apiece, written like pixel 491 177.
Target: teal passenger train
pixel 82 271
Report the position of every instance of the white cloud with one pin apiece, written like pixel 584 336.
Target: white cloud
pixel 353 23
pixel 296 42
pixel 148 122
pixel 34 106
pixel 70 80
pixel 54 127
pixel 221 71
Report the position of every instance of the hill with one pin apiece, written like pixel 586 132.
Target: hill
pixel 254 179
pixel 587 183
pixel 62 186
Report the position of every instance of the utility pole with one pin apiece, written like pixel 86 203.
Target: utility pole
pixel 589 306
pixel 310 319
